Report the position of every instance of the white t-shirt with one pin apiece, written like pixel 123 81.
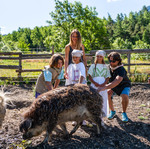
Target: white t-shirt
pixel 75 71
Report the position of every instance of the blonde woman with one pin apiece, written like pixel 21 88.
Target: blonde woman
pixel 75 43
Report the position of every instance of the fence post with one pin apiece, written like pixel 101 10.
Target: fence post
pixel 20 66
pixel 129 57
pixel 53 50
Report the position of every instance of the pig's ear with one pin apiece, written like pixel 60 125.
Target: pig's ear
pixel 25 125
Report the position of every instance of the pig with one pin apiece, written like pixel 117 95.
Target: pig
pixel 56 107
pixel 2 108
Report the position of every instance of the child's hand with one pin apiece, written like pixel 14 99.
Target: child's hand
pixel 66 75
pixel 101 89
pixel 101 85
pixel 96 84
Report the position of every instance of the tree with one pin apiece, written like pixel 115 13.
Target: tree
pixel 68 16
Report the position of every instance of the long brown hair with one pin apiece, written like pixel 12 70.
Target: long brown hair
pixel 54 60
pixel 79 44
pixel 116 56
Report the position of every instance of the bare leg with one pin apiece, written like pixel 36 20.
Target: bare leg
pixel 110 102
pixel 125 102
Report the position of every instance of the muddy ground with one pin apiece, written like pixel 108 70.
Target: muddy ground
pixel 131 135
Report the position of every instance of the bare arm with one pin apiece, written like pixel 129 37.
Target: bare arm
pixel 66 57
pixel 91 79
pixel 112 84
pixel 96 84
pixel 49 85
pixel 81 79
pixel 56 83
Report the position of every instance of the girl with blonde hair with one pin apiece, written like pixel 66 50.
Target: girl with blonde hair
pixel 99 75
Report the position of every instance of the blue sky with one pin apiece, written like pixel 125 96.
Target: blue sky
pixel 31 13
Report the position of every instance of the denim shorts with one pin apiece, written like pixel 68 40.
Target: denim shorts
pixel 37 94
pixel 126 91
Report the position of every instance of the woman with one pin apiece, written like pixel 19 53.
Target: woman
pixel 75 43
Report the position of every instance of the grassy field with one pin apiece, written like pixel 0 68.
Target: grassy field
pixel 136 71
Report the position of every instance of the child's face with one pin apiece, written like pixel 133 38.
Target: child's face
pixel 99 59
pixel 60 63
pixel 76 60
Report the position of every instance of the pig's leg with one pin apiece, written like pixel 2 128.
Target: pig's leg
pixel 63 127
pixel 76 127
pixel 97 120
pixel 50 128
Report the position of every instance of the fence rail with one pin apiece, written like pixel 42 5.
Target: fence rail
pixel 19 56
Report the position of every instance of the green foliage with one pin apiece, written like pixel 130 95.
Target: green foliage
pixel 23 145
pixel 125 32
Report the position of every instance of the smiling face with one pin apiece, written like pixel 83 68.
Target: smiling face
pixel 76 59
pixel 59 64
pixel 74 38
pixel 99 59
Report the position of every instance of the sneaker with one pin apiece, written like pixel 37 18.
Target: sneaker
pixel 124 117
pixel 111 115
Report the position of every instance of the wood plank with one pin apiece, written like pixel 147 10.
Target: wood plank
pixel 12 58
pixel 29 70
pixel 9 67
pixel 10 53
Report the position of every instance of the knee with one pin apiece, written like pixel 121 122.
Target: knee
pixel 125 97
pixel 110 92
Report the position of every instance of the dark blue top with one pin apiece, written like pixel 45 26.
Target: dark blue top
pixel 124 83
pixel 70 55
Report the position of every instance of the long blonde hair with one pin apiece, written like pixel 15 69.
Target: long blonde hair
pixel 79 44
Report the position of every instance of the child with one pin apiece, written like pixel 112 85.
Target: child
pixel 76 71
pixel 50 75
pixel 99 76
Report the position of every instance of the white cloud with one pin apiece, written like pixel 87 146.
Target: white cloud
pixel 112 1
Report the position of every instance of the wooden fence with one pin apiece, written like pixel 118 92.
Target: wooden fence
pixel 19 56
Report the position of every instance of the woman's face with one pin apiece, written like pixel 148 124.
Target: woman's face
pixel 99 59
pixel 76 60
pixel 74 38
pixel 60 64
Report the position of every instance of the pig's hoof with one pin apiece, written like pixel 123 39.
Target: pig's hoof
pixel 98 135
pixel 67 136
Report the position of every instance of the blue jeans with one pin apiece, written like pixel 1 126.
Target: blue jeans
pixel 37 94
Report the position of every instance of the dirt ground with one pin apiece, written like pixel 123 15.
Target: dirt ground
pixel 131 135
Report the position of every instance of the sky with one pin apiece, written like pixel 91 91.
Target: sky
pixel 31 13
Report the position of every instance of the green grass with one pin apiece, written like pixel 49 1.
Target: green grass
pixel 142 105
pixel 138 73
pixel 142 118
